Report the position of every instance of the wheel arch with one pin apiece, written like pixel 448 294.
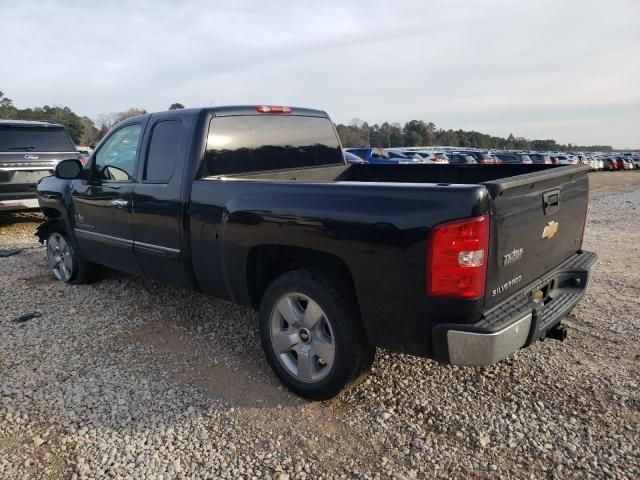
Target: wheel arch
pixel 52 220
pixel 265 263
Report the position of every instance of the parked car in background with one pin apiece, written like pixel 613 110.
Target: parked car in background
pixel 484 158
pixel 582 159
pixel 352 159
pixel 620 163
pixel 610 164
pixel 440 157
pixel 427 156
pixel 461 158
pixel 567 160
pixel 372 155
pixel 403 157
pixel 540 158
pixel 511 157
pixel 29 151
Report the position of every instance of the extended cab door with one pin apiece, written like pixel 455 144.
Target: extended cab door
pixel 102 205
pixel 159 208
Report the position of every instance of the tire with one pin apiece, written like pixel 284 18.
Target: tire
pixel 64 259
pixel 311 334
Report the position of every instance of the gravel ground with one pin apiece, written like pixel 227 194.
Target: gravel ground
pixel 127 378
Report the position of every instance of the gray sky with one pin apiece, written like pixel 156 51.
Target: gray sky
pixel 568 70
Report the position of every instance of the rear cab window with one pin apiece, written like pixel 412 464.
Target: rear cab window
pixel 34 139
pixel 242 144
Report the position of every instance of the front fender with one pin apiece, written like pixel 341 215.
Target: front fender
pixel 54 198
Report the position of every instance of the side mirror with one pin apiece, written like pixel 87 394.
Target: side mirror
pixel 68 169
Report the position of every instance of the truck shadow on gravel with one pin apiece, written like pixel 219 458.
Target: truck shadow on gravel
pixel 209 343
pixel 238 380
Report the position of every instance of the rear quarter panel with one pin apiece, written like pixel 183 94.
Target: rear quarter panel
pixel 378 230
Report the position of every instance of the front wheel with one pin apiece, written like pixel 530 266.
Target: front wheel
pixel 64 260
pixel 311 334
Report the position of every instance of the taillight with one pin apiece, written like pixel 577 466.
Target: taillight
pixel 457 255
pixel 273 109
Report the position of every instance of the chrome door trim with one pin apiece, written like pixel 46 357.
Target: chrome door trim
pixel 159 250
pixel 101 237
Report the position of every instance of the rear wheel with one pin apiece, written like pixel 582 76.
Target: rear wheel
pixel 64 260
pixel 311 334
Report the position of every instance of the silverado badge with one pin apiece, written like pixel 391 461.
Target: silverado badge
pixel 550 229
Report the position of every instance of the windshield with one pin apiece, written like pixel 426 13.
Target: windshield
pixel 34 139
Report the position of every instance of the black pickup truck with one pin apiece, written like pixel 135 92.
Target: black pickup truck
pixel 460 263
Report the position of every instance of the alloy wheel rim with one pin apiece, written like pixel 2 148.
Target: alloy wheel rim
pixel 302 337
pixel 60 257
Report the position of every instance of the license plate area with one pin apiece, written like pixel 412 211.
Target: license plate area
pixel 540 295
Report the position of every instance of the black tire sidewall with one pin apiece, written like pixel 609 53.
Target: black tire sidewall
pixel 75 260
pixel 349 341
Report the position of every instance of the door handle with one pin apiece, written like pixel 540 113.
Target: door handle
pixel 120 203
pixel 551 201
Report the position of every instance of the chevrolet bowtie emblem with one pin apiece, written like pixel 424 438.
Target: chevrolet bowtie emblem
pixel 550 229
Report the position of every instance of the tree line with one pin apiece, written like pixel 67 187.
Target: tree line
pixel 83 130
pixel 420 133
pixel 357 133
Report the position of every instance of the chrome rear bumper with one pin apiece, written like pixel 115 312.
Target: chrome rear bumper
pixel 474 349
pixel 519 321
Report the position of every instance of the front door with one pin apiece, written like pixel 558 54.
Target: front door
pixel 102 205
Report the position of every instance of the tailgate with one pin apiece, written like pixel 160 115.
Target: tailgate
pixel 538 221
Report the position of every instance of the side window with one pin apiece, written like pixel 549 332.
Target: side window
pixel 116 159
pixel 163 151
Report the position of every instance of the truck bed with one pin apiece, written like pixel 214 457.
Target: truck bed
pixel 425 173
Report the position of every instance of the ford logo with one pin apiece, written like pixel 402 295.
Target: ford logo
pixel 31 157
